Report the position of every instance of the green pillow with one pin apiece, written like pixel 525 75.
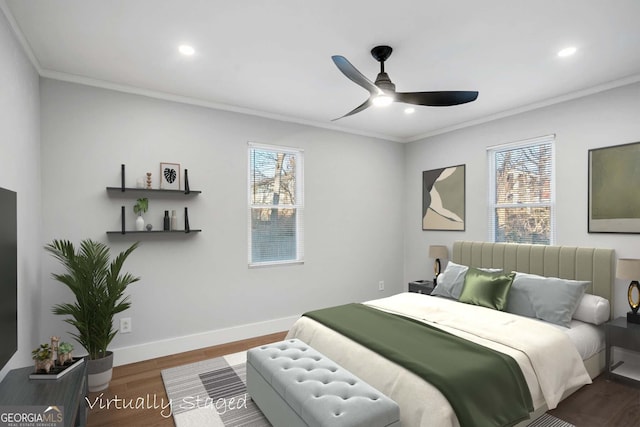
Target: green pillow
pixel 486 289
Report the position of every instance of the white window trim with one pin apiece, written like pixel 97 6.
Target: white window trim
pixel 491 214
pixel 299 205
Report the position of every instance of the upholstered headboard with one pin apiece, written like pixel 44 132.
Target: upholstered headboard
pixel 566 262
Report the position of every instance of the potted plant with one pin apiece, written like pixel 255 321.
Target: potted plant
pixel 99 290
pixel 64 353
pixel 139 208
pixel 43 357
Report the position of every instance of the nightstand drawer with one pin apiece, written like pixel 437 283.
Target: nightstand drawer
pixel 421 286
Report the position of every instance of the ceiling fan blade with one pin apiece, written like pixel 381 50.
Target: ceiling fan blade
pixel 366 104
pixel 354 75
pixel 437 99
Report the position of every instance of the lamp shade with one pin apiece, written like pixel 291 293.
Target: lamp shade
pixel 438 252
pixel 628 268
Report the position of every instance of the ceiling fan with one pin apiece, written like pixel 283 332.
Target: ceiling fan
pixel 383 91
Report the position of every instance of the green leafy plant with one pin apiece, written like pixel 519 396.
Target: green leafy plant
pixel 141 206
pixel 41 353
pixel 65 348
pixel 99 289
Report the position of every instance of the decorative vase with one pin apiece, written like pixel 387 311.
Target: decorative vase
pixel 99 372
pixel 174 220
pixel 166 222
pixel 140 223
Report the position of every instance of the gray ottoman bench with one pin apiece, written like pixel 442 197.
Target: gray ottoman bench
pixel 294 385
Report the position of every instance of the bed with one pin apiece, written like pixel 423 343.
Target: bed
pixel 422 404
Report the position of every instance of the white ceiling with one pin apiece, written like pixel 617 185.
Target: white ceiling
pixel 273 57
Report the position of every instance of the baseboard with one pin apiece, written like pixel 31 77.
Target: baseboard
pixel 151 350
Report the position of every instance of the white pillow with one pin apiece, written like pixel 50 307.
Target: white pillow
pixel 451 280
pixel 592 309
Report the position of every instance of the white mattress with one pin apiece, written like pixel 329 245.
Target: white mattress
pixel 557 364
pixel 588 338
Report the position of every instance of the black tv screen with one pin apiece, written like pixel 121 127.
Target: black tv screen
pixel 8 276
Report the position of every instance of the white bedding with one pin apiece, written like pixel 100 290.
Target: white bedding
pixel 588 339
pixel 550 363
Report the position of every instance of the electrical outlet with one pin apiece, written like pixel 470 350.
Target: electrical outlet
pixel 381 285
pixel 125 325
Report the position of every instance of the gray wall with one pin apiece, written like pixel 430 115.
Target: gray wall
pixel 20 158
pixel 606 118
pixel 199 289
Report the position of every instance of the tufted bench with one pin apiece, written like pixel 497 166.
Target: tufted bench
pixel 294 385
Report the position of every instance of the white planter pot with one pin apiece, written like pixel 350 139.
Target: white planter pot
pixel 99 372
pixel 139 223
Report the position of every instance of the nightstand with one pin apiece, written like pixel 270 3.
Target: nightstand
pixel 421 286
pixel 619 333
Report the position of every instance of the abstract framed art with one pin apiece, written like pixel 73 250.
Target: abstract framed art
pixel 443 199
pixel 614 180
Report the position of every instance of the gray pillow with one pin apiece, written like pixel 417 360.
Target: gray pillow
pixel 451 280
pixel 547 298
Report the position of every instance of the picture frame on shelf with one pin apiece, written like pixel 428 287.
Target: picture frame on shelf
pixel 611 205
pixel 169 176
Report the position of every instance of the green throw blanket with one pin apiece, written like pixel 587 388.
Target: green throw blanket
pixel 484 387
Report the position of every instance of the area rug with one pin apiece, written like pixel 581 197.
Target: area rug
pixel 547 420
pixel 213 393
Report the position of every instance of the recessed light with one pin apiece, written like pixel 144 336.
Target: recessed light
pixel 409 110
pixel 567 51
pixel 187 50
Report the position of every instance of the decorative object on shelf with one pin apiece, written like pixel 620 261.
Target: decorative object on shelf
pixel 149 227
pixel 170 176
pixel 174 220
pixel 443 193
pixel 187 190
pixel 166 222
pixel 148 180
pixel 64 353
pixel 122 177
pixel 186 221
pixel 611 205
pixel 139 208
pixel 99 289
pixel 43 358
pixel 628 268
pixel 437 252
pixel 140 183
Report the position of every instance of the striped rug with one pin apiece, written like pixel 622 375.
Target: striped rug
pixel 213 393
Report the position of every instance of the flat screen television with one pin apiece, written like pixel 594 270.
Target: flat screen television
pixel 8 276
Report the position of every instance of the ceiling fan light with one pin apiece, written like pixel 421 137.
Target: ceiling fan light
pixel 382 100
pixel 186 50
pixel 567 51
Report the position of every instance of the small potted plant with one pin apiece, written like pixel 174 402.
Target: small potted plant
pixel 139 208
pixel 64 353
pixel 43 357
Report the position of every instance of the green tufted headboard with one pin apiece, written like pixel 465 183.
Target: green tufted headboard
pixel 566 262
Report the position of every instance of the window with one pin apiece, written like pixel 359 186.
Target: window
pixel 521 192
pixel 276 207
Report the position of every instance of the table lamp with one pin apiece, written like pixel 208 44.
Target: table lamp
pixel 437 252
pixel 629 268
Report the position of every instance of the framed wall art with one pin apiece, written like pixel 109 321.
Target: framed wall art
pixel 443 199
pixel 170 176
pixel 614 180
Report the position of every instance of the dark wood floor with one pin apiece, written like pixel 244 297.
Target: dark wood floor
pixel 604 403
